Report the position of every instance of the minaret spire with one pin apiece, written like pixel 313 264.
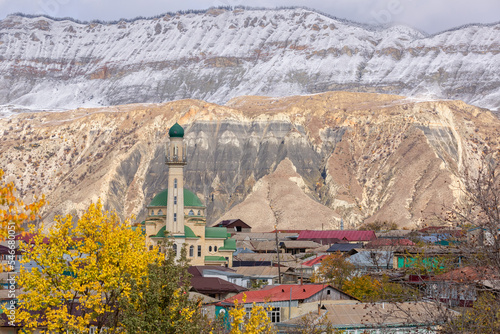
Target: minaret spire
pixel 175 160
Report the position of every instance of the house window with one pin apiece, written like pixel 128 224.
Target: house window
pixel 210 249
pixel 199 251
pixel 175 217
pixel 328 292
pixel 274 315
pixel 175 249
pixel 191 251
pixel 175 199
pixel 175 183
pixel 191 213
pixel 215 248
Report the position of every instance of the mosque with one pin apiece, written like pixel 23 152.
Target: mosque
pixel 177 214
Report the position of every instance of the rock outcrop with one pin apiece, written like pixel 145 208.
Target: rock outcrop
pixel 356 156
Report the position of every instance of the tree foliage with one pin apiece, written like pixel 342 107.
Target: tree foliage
pixel 257 322
pixel 13 211
pixel 160 303
pixel 334 269
pixel 80 275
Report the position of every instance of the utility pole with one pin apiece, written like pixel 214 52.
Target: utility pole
pixel 278 251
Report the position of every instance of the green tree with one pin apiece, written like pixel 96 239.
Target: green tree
pixel 334 269
pixel 160 303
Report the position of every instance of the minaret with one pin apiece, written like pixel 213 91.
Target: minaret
pixel 175 160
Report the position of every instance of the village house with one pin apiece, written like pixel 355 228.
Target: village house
pixel 234 226
pixel 284 300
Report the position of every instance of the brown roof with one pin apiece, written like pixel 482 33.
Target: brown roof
pixel 383 314
pixel 260 271
pixel 213 285
pixel 468 274
pixel 285 257
pixel 301 244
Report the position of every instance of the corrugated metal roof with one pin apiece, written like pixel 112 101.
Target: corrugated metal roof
pixel 349 235
pixel 260 271
pixel 343 247
pixel 279 293
pixel 382 314
pixel 210 285
pixel 314 261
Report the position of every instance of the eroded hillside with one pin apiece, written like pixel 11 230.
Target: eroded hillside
pixel 364 156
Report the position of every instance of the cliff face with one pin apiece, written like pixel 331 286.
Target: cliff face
pixel 363 156
pixel 219 54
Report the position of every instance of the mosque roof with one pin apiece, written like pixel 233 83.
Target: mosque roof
pixel 190 199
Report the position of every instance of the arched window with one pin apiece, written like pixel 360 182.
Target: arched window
pixel 152 212
pixel 215 248
pixel 175 249
pixel 199 213
pixel 199 251
pixel 175 217
pixel 191 251
pixel 191 213
pixel 175 183
pixel 175 199
pixel 160 212
pixel 210 249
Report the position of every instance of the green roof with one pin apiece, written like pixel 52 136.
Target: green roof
pixel 213 258
pixel 188 232
pixel 176 131
pixel 190 199
pixel 229 244
pixel 216 233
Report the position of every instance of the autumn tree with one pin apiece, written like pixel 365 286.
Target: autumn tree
pixel 74 277
pixel 160 303
pixel 334 269
pixel 257 322
pixel 13 211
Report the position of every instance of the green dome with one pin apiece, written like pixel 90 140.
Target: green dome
pixel 190 199
pixel 176 131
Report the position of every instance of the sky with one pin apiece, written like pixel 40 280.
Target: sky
pixel 430 16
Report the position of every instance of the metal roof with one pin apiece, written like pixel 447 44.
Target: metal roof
pixel 190 199
pixel 282 292
pixel 349 235
pixel 343 247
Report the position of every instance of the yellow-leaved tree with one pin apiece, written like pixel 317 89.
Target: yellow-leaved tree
pixel 256 322
pixel 77 276
pixel 13 211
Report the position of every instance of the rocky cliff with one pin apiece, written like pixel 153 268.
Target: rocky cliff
pixel 220 54
pixel 362 156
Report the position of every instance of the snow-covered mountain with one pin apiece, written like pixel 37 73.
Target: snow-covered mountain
pixel 220 54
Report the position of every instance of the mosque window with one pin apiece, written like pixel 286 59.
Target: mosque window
pixel 199 213
pixel 191 213
pixel 175 183
pixel 175 249
pixel 160 212
pixel 199 251
pixel 175 217
pixel 210 249
pixel 175 199
pixel 152 212
pixel 191 251
pixel 215 248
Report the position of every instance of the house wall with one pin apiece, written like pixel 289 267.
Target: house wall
pixel 327 293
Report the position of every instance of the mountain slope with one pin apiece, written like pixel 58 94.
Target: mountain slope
pixel 364 156
pixel 221 54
